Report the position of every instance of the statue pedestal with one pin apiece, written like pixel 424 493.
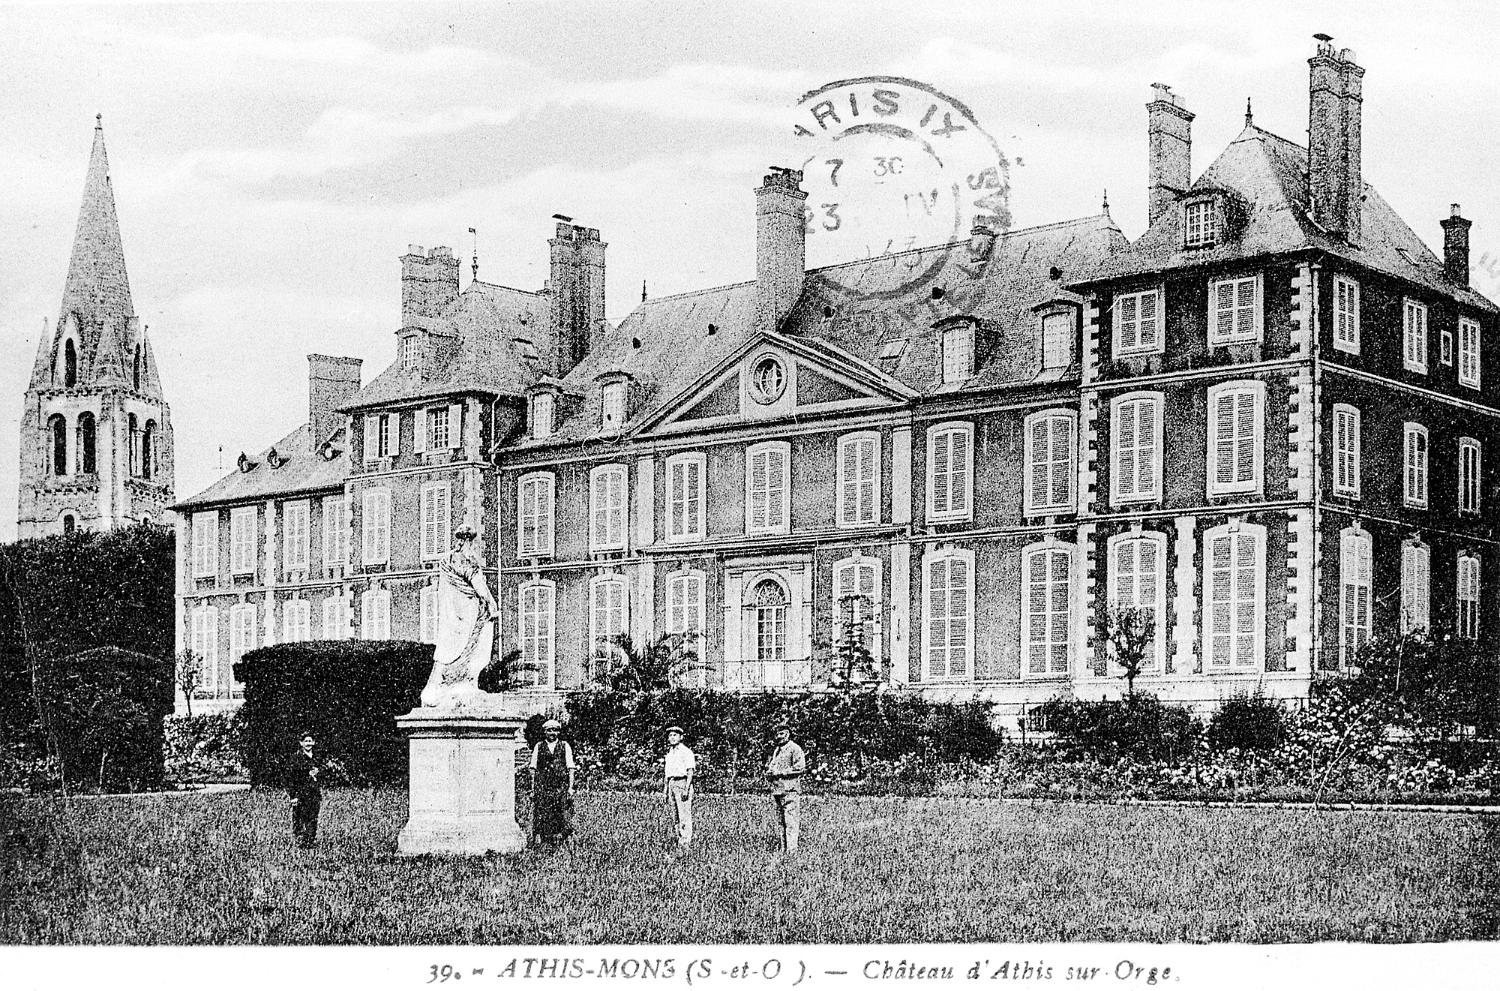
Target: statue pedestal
pixel 463 781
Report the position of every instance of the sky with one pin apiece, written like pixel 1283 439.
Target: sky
pixel 272 162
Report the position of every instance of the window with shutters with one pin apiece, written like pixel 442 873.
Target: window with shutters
pixel 427 614
pixel 1137 320
pixel 204 641
pixel 1136 448
pixel 1415 488
pixel 685 497
pixel 242 524
pixel 1234 310
pixel 1046 576
pixel 770 604
pixel 685 612
pixel 541 415
pixel 958 352
pixel 1234 603
pixel 1468 596
pixel 1354 593
pixel 437 519
pixel 375 527
pixel 335 536
pixel 607 512
pixel 1416 586
pixel 1468 352
pixel 767 468
pixel 856 600
pixel 612 406
pixel 859 479
pixel 296 621
pixel 241 633
pixel 1345 314
pixel 206 545
pixel 1346 451
pixel 1049 472
pixel 534 497
pixel 1468 475
pixel 1057 340
pixel 608 619
pixel 1137 579
pixel 1445 347
pixel 1201 224
pixel 295 525
pixel 948 620
pixel 1235 440
pixel 1414 336
pixel 437 428
pixel 950 472
pixel 375 615
pixel 335 618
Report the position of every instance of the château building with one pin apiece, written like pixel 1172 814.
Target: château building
pixel 1263 422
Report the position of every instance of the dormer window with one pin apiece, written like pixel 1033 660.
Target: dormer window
pixel 1201 223
pixel 541 415
pixel 958 352
pixel 612 406
pixel 1057 339
pixel 411 352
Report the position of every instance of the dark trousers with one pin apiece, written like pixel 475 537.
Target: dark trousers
pixel 305 820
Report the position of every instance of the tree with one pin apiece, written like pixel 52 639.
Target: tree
pixel 853 664
pixel 1128 632
pixel 659 664
pixel 189 676
pixel 507 673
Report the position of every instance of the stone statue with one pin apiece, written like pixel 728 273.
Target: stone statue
pixel 465 626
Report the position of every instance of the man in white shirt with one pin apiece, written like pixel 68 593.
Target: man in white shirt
pixel 678 787
pixel 784 770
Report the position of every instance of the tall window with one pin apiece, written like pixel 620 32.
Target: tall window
pixel 1137 580
pixel 770 621
pixel 958 352
pixel 1445 347
pixel 1468 352
pixel 1049 472
pixel 375 615
pixel 335 537
pixel 1045 597
pixel 612 406
pixel 1234 557
pixel 1468 596
pixel 1137 318
pixel 685 611
pixel 1057 340
pixel 534 515
pixel 204 640
pixel 335 618
pixel 1414 336
pixel 1234 308
pixel 1234 437
pixel 437 519
pixel 136 369
pixel 375 527
pixel 1345 314
pixel 294 534
pixel 1354 593
pixel 541 415
pixel 86 439
pixel 133 433
pixel 1415 489
pixel 1346 451
pixel 296 621
pixel 70 364
pixel 58 427
pixel 1135 442
pixel 148 449
pixel 950 471
pixel 205 544
pixel 241 631
pixel 607 617
pixel 856 598
pixel 685 473
pixel 1468 475
pixel 438 428
pixel 242 520
pixel 948 627
pixel 607 508
pixel 1416 586
pixel 1202 223
pixel 766 482
pixel 859 479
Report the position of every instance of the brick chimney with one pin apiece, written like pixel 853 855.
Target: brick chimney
pixel 1456 247
pixel 780 246
pixel 331 382
pixel 429 284
pixel 577 289
pixel 1335 114
pixel 1169 137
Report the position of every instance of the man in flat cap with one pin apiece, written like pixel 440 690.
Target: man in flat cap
pixel 784 769
pixel 677 787
pixel 552 772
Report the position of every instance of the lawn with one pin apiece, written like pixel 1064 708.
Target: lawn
pixel 221 869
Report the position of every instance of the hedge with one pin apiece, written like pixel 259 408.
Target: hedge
pixel 348 693
pixel 102 710
pixel 204 747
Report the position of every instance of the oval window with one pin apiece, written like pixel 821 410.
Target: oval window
pixel 768 380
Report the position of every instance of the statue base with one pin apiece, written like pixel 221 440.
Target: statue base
pixel 463 780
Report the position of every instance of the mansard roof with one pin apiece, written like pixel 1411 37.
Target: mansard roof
pixel 301 468
pixel 1268 175
pixel 490 347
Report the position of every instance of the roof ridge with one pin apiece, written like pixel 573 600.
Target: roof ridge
pixel 1013 232
pixel 495 285
pixel 697 292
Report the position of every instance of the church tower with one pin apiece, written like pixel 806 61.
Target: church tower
pixel 96 432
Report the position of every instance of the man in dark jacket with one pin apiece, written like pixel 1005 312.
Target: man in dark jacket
pixel 306 792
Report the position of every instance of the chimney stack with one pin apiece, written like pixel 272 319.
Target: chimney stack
pixel 576 285
pixel 331 382
pixel 780 246
pixel 1456 247
pixel 1169 134
pixel 429 285
pixel 1335 115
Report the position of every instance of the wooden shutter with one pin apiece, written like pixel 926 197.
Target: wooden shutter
pixel 1148 332
pixel 1224 439
pixel 372 436
pixel 759 490
pixel 937 617
pixel 1223 310
pixel 942 472
pixel 1127 447
pixel 1036 612
pixel 776 493
pixel 958 616
pixel 421 427
pixel 456 425
pixel 1038 464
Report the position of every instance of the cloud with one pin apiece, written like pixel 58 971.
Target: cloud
pixel 698 91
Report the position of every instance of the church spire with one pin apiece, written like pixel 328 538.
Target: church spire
pixel 97 288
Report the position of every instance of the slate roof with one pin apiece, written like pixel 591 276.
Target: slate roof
pixel 304 470
pixel 1269 175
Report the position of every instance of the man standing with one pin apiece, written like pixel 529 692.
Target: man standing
pixel 678 787
pixel 306 792
pixel 552 772
pixel 785 768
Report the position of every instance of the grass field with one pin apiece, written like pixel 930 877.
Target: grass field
pixel 221 869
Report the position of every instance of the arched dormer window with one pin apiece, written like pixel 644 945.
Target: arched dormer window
pixel 70 363
pixel 148 449
pixel 86 438
pixel 57 425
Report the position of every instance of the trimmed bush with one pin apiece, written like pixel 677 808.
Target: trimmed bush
pixel 1253 723
pixel 348 693
pixel 102 711
pixel 1139 727
pixel 204 747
